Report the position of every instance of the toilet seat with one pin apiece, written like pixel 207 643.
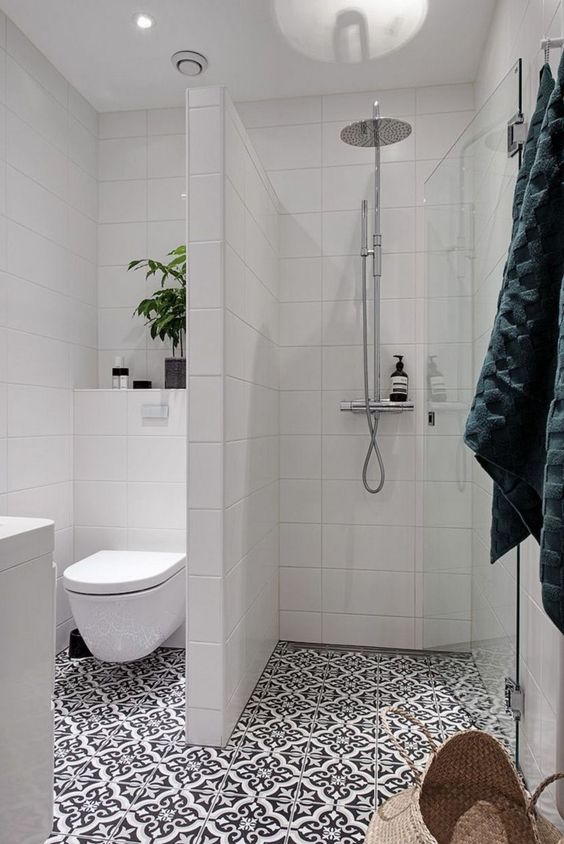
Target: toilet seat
pixel 122 572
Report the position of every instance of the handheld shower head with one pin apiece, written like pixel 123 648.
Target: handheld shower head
pixel 377 132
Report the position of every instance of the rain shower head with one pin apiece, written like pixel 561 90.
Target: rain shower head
pixel 375 132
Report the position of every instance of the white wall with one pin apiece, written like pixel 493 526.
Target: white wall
pixel 142 214
pixel 348 559
pixel 233 420
pixel 516 32
pixel 48 320
pixel 129 472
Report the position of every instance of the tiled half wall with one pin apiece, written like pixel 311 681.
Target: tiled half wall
pixel 233 420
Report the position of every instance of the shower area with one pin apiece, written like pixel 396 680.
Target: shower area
pixel 376 132
pixel 466 604
pixel 327 240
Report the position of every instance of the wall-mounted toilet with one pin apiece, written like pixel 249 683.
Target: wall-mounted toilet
pixel 127 603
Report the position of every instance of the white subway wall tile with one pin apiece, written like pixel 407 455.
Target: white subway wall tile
pixel 354 106
pixel 300 279
pixel 30 101
pixel 300 235
pixel 123 202
pixel 166 121
pixel 298 190
pixel 301 626
pixel 38 461
pixel 100 458
pixel 166 156
pixel 205 217
pixel 122 158
pixel 35 411
pixel 166 199
pixel 369 593
pixel 157 539
pixel 156 505
pixel 300 589
pixel 95 416
pixel 205 141
pixel 122 124
pixel 118 242
pixel 156 459
pixel 280 112
pixel 288 147
pixel 368 630
pixel 100 503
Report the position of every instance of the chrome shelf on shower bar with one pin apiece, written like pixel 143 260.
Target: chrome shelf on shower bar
pixel 385 406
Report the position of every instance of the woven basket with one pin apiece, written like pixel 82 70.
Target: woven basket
pixel 469 793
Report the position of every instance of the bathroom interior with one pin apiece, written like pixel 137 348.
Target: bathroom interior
pixel 251 257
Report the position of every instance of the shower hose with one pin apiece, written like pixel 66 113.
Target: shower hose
pixel 372 420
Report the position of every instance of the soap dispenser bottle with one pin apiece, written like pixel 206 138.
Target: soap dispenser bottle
pixel 437 386
pixel 399 381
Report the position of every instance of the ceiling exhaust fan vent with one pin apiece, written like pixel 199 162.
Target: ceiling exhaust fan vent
pixel 189 63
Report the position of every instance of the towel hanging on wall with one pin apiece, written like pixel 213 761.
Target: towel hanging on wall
pixel 507 424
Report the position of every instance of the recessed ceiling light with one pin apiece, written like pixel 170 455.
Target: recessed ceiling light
pixel 143 21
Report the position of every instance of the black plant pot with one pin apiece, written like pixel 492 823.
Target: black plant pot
pixel 175 373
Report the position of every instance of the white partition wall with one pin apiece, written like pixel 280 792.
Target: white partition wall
pixel 233 417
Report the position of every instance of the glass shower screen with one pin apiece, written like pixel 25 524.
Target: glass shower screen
pixel 465 603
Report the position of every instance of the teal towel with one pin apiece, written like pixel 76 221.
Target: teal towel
pixel 507 424
pixel 508 528
pixel 552 538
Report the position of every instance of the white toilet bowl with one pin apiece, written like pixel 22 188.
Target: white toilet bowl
pixel 127 603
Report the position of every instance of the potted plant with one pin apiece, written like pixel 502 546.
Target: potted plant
pixel 165 310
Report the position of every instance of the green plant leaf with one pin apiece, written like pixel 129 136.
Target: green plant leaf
pixel 165 310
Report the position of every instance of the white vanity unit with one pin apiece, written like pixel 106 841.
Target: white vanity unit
pixel 27 625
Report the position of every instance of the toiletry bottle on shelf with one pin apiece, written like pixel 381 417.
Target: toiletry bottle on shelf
pixel 124 378
pixel 116 372
pixel 399 381
pixel 437 386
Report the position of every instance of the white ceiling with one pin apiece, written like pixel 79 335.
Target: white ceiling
pixel 116 66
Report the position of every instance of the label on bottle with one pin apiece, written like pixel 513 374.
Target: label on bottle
pixel 399 384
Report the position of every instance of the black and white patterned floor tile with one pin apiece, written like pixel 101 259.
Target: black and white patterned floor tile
pixel 328 824
pixel 263 774
pixel 166 816
pixel 350 741
pixel 307 763
pixel 237 819
pixel 194 768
